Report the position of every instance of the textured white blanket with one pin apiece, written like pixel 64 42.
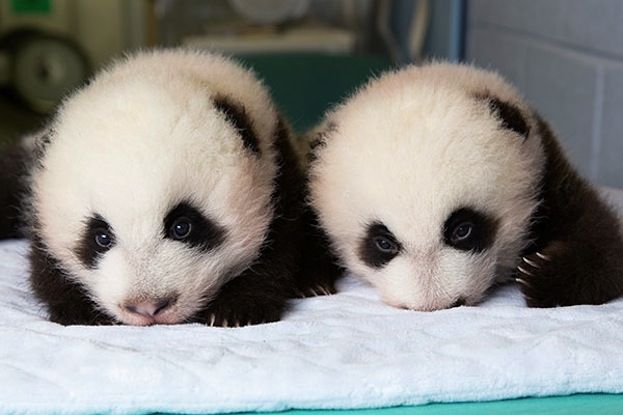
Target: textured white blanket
pixel 343 351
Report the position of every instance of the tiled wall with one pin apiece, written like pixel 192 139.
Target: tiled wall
pixel 566 56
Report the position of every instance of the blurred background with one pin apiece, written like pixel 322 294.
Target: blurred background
pixel 566 56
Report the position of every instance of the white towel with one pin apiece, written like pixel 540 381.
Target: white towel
pixel 343 351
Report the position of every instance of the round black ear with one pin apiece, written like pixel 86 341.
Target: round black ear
pixel 509 115
pixel 238 118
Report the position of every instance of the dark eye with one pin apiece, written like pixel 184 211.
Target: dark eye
pixel 186 224
pixel 97 239
pixel 379 246
pixel 181 228
pixel 385 245
pixel 467 229
pixel 463 231
pixel 103 238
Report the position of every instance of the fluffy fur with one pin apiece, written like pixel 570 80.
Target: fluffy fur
pixel 434 182
pixel 156 141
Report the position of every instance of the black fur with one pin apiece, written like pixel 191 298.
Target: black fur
pixel 319 268
pixel 260 293
pixel 14 165
pixel 320 140
pixel 204 234
pixel 369 252
pixel 577 253
pixel 238 117
pixel 87 250
pixel 482 233
pixel 66 301
pixel 509 115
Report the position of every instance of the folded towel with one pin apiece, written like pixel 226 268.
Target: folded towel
pixel 343 351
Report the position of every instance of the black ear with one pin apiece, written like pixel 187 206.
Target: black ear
pixel 237 116
pixel 510 116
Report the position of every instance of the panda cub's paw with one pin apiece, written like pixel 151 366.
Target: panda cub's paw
pixel 316 289
pixel 239 315
pixel 557 275
pixel 536 277
pixel 229 311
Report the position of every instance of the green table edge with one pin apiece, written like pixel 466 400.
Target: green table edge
pixel 579 404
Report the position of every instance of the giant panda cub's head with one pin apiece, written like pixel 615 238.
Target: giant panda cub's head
pixel 425 181
pixel 155 187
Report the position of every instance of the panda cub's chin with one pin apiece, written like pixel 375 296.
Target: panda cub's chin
pixel 435 182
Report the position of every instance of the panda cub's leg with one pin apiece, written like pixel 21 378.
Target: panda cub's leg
pixel 577 255
pixel 67 302
pixel 260 293
pixel 319 269
pixel 584 265
pixel 13 170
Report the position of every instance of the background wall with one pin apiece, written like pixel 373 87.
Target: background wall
pixel 566 56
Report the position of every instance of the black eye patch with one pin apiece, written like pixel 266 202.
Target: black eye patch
pixel 186 224
pixel 97 239
pixel 469 230
pixel 379 245
pixel 237 116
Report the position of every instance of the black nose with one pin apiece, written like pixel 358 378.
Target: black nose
pixel 151 307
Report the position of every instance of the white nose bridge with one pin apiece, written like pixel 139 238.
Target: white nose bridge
pixel 142 266
pixel 427 269
pixel 424 263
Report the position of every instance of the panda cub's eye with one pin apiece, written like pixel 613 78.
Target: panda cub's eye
pixel 467 229
pixel 378 246
pixel 97 238
pixel 385 245
pixel 188 225
pixel 103 238
pixel 462 231
pixel 181 228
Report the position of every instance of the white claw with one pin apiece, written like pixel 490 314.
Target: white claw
pixel 322 290
pixel 237 324
pixel 225 323
pixel 313 292
pixel 532 263
pixel 543 257
pixel 212 320
pixel 524 271
pixel 522 282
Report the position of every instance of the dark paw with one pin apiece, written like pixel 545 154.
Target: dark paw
pixel 536 276
pixel 316 289
pixel 88 319
pixel 221 313
pixel 561 275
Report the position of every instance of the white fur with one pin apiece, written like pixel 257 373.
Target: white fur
pixel 142 137
pixel 410 148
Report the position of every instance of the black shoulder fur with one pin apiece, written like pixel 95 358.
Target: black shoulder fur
pixel 294 261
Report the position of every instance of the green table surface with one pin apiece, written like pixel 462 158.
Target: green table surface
pixel 581 404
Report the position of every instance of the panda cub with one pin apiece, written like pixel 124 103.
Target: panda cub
pixel 166 191
pixel 433 183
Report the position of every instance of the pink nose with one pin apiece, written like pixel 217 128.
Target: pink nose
pixel 149 308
